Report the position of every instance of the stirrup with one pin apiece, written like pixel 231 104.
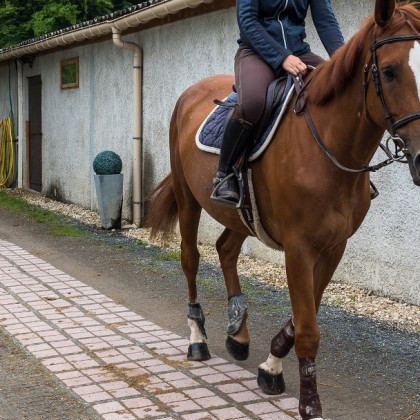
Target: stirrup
pixel 219 183
pixel 241 189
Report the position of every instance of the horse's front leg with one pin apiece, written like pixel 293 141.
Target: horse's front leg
pixel 305 306
pixel 302 332
pixel 300 264
pixel 326 264
pixel 228 247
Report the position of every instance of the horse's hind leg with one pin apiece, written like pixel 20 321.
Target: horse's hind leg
pixel 228 247
pixel 189 212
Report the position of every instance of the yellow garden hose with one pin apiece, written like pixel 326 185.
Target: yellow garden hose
pixel 7 153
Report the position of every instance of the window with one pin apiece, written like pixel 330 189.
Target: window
pixel 69 73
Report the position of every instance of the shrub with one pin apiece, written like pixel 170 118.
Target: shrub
pixel 107 163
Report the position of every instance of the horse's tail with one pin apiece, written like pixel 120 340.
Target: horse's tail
pixel 162 214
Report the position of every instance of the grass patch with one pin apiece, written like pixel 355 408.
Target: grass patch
pixel 55 223
pixel 173 255
pixel 68 231
pixel 204 281
pixel 13 204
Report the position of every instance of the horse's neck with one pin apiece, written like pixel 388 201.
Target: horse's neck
pixel 346 129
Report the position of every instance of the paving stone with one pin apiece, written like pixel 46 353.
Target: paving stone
pixel 114 360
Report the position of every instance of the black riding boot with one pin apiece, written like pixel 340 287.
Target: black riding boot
pixel 237 136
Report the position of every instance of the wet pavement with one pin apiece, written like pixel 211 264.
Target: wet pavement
pixel 110 360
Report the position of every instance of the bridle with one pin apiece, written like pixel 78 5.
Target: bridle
pixel 395 125
pixel 401 151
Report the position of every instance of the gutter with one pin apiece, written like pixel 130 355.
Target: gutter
pixel 89 31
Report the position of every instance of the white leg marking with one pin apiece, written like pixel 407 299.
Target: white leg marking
pixel 273 365
pixel 414 63
pixel 196 335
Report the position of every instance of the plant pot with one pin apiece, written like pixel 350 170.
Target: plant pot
pixel 109 191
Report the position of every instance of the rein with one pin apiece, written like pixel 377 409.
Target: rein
pixel 401 150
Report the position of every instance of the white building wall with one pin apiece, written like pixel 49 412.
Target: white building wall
pixel 81 122
pixel 77 124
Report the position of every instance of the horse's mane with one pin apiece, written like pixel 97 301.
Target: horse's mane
pixel 330 76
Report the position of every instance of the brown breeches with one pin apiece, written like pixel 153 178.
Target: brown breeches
pixel 252 78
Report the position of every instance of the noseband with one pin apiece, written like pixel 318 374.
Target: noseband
pixel 401 150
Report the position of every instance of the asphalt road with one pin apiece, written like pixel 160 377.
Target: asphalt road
pixel 367 370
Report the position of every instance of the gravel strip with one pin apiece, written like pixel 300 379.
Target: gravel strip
pixel 401 315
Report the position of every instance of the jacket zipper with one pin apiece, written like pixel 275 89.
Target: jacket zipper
pixel 281 23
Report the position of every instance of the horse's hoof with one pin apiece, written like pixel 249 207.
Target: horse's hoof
pixel 198 352
pixel 237 350
pixel 271 384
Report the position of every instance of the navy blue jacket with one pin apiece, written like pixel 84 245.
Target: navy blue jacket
pixel 275 29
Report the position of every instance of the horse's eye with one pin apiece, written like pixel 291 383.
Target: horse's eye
pixel 389 73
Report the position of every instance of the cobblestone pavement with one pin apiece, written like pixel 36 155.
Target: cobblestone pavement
pixel 115 361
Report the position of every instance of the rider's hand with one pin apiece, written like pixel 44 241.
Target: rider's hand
pixel 294 65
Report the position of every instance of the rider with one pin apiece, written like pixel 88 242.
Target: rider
pixel 271 42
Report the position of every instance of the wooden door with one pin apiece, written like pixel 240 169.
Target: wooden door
pixel 35 133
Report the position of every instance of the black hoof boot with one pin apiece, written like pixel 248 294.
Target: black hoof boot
pixel 198 352
pixel 237 350
pixel 271 384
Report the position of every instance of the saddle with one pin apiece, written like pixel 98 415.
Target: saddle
pixel 209 138
pixel 210 134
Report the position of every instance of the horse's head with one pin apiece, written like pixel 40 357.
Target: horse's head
pixel 394 66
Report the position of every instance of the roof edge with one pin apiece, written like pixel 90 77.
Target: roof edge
pixel 101 26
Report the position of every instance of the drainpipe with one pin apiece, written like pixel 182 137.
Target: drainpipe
pixel 20 125
pixel 137 121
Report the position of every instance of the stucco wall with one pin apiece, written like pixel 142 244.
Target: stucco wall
pixel 77 124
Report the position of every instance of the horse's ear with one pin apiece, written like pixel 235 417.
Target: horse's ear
pixel 384 9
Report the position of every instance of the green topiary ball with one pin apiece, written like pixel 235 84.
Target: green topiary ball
pixel 107 163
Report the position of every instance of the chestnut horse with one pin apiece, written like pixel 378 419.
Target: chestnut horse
pixel 307 203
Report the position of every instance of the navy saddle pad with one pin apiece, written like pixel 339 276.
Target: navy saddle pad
pixel 210 134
